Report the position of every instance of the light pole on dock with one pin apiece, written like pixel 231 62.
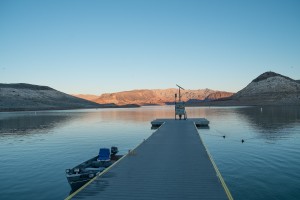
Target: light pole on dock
pixel 179 106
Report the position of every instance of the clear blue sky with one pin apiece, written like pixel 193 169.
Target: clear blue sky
pixel 99 46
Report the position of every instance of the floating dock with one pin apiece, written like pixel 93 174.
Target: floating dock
pixel 172 163
pixel 199 122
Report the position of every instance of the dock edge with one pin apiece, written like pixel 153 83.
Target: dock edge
pixel 216 169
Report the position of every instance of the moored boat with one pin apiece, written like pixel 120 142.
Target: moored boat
pixel 84 172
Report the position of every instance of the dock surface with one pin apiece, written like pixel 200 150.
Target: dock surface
pixel 171 164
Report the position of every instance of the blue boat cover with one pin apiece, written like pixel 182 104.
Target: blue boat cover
pixel 104 154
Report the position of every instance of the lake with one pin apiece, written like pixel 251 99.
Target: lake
pixel 37 147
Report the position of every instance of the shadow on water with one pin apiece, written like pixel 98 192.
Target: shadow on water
pixel 270 121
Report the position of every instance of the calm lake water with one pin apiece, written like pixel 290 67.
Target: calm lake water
pixel 37 147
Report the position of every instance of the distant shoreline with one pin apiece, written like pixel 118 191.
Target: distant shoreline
pixel 137 106
pixel 236 103
pixel 58 109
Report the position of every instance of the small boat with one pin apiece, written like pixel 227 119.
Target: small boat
pixel 84 172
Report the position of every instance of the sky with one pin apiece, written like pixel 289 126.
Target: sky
pixel 94 47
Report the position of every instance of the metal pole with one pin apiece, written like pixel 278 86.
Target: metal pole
pixel 175 104
pixel 179 91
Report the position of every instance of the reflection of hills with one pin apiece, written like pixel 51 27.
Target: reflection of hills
pixel 145 114
pixel 149 113
pixel 271 120
pixel 24 124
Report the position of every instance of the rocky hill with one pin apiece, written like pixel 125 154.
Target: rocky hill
pixel 272 89
pixel 159 96
pixel 269 88
pixel 17 97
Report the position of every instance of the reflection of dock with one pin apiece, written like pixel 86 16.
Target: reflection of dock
pixel 172 163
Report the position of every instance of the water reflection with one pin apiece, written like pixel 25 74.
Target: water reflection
pixel 270 120
pixel 24 123
pixel 27 123
pixel 144 114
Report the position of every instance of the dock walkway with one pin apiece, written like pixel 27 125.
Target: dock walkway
pixel 171 164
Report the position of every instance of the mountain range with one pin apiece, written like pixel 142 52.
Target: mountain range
pixel 269 88
pixel 156 96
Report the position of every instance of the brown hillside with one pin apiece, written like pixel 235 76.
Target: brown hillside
pixel 158 96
